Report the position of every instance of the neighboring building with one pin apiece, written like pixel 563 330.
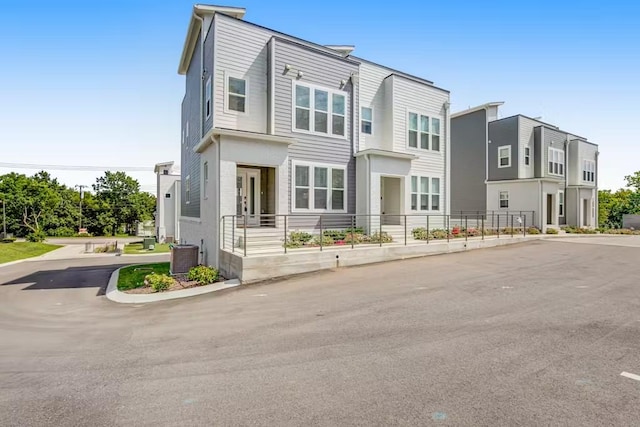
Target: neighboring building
pixel 275 125
pixel 530 165
pixel 167 227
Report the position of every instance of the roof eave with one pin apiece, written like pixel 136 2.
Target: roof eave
pixel 478 108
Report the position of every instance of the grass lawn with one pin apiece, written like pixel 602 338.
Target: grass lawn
pixel 136 248
pixel 21 250
pixel 133 276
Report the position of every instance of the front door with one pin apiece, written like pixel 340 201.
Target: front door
pixel 248 196
pixel 549 209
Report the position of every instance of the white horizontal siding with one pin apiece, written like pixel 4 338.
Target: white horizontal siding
pixel 525 132
pixel 372 95
pixel 241 50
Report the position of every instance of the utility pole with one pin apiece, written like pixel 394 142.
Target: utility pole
pixel 4 219
pixel 80 187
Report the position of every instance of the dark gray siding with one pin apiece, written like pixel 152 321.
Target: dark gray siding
pixel 537 149
pixel 208 66
pixel 503 132
pixel 468 153
pixel 191 160
pixel 321 70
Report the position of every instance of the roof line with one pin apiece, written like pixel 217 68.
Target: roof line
pixel 478 108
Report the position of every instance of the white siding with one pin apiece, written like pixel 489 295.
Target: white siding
pixel 241 50
pixel 373 95
pixel 523 196
pixel 525 135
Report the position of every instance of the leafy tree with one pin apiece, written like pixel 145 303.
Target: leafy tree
pixel 612 206
pixel 633 181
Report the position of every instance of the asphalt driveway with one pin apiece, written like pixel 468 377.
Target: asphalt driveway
pixel 534 334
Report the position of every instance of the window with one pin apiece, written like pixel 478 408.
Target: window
pixel 504 156
pixel 187 189
pixel 560 203
pixel 207 97
pixel 556 162
pixel 420 130
pixel 423 197
pixel 167 196
pixel 236 94
pixel 318 110
pixel 504 200
pixel 319 187
pixel 589 171
pixel 205 178
pixel 527 156
pixel 366 120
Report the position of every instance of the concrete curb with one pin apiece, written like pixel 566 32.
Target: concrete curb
pixel 124 298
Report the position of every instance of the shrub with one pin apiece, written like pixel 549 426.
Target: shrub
pixel 37 236
pixel 357 237
pixel 8 240
pixel 533 230
pixel 298 238
pixel 552 231
pixel 203 275
pixel 159 282
pixel 473 232
pixel 420 233
pixel 383 237
pixel 439 234
pixel 326 241
pixel 62 232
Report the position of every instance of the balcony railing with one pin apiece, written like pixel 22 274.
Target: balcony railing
pixel 270 234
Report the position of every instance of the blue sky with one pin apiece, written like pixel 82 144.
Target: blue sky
pixel 95 83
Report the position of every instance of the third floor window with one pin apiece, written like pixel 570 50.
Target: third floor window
pixel 589 171
pixel 556 162
pixel 423 132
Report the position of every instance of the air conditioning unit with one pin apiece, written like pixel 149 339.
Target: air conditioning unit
pixel 183 258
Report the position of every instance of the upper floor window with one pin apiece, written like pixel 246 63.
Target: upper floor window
pixel 504 200
pixel 320 111
pixel 207 97
pixel 236 94
pixel 319 187
pixel 423 132
pixel 423 196
pixel 527 156
pixel 504 156
pixel 556 162
pixel 589 171
pixel 366 120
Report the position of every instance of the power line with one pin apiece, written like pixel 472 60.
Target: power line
pixel 83 168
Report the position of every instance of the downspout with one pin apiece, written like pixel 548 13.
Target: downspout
pixel 447 158
pixel 368 191
pixel 597 196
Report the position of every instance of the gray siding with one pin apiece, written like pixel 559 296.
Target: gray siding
pixel 538 161
pixel 190 160
pixel 322 70
pixel 208 66
pixel 503 132
pixel 468 153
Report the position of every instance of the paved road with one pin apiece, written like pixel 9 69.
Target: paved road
pixel 536 334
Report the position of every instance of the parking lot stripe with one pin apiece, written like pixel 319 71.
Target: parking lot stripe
pixel 632 376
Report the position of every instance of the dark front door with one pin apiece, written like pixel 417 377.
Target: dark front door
pixel 549 209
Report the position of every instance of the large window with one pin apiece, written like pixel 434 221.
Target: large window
pixel 366 120
pixel 236 94
pixel 527 156
pixel 423 132
pixel 504 200
pixel 425 197
pixel 207 97
pixel 504 156
pixel 556 162
pixel 560 203
pixel 589 171
pixel 319 187
pixel 320 111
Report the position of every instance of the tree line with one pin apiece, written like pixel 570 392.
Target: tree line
pixel 39 206
pixel 613 205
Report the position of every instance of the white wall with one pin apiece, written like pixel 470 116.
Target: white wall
pixel 166 220
pixel 372 95
pixel 523 196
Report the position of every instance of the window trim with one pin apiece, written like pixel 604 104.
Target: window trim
pixel 205 179
pixel 369 121
pixel 207 99
pixel 429 193
pixel 330 167
pixel 227 110
pixel 187 189
pixel 501 199
pixel 589 167
pixel 420 132
pixel 560 163
pixel 500 166
pixel 561 204
pixel 312 110
pixel 527 157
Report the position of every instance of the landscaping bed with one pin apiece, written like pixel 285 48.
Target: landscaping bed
pixel 152 278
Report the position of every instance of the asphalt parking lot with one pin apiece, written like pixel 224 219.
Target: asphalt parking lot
pixel 531 334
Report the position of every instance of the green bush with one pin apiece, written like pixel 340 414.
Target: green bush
pixel 357 237
pixel 420 233
pixel 159 282
pixel 298 238
pixel 62 232
pixel 439 234
pixel 533 230
pixel 342 234
pixel 8 240
pixel 37 236
pixel 383 237
pixel 326 241
pixel 203 275
pixel 552 231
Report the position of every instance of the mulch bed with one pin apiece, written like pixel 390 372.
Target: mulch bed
pixel 181 283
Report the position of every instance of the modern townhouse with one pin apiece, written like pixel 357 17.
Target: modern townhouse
pixel 275 127
pixel 522 164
